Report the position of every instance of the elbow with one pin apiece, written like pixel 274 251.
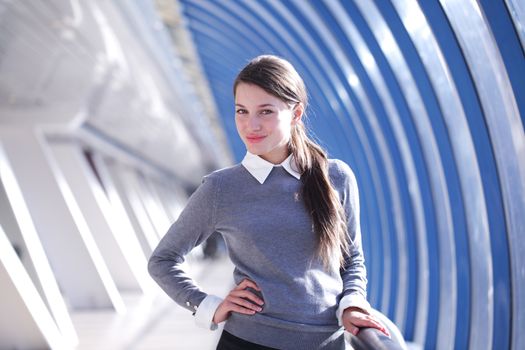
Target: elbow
pixel 162 263
pixel 153 266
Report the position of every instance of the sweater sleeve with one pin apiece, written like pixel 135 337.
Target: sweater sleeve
pixel 353 272
pixel 195 223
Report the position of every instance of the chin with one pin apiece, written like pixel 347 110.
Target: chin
pixel 255 151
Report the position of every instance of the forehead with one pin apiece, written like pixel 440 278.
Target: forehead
pixel 253 95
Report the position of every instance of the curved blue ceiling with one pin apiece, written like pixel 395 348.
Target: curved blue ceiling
pixel 426 102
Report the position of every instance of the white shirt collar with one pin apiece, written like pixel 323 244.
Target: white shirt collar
pixel 260 168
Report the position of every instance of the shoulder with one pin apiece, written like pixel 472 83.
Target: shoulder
pixel 224 174
pixel 340 172
pixel 212 183
pixel 344 181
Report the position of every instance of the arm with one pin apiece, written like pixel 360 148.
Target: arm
pixel 195 223
pixel 353 272
pixel 354 310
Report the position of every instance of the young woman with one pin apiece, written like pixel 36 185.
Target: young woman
pixel 290 219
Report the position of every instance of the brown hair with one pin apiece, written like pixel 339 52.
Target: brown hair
pixel 279 78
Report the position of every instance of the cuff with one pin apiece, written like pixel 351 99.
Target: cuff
pixel 206 311
pixel 351 300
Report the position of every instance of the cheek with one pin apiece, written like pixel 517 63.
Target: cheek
pixel 277 125
pixel 284 128
pixel 238 124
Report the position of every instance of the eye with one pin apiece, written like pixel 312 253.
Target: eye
pixel 266 112
pixel 241 111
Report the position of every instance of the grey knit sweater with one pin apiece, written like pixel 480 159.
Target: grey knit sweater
pixel 270 240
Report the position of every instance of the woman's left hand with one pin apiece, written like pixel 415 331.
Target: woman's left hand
pixel 355 318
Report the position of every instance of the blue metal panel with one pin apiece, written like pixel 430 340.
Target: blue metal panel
pixel 511 51
pixel 516 9
pixel 485 157
pixel 506 133
pixel 431 240
pixel 446 279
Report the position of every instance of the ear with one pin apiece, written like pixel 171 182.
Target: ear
pixel 297 113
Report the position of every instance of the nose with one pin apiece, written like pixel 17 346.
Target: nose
pixel 254 122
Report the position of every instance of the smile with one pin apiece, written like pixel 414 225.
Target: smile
pixel 255 139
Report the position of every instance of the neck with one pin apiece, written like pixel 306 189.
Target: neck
pixel 275 159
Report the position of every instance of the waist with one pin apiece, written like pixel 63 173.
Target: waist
pixel 284 334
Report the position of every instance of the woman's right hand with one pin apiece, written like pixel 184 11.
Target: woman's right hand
pixel 236 301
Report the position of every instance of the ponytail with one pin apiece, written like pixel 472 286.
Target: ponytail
pixel 320 198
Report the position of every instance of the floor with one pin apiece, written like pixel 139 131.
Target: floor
pixel 155 323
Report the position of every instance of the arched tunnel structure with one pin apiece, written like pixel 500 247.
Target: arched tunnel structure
pixel 424 100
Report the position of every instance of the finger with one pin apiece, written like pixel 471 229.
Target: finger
pixel 240 309
pixel 247 294
pixel 378 325
pixel 245 283
pixel 352 329
pixel 365 321
pixel 371 323
pixel 384 329
pixel 243 302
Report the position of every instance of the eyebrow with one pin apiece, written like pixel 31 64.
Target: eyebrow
pixel 263 105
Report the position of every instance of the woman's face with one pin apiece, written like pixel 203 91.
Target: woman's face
pixel 264 122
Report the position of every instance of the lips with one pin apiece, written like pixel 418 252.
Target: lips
pixel 255 139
